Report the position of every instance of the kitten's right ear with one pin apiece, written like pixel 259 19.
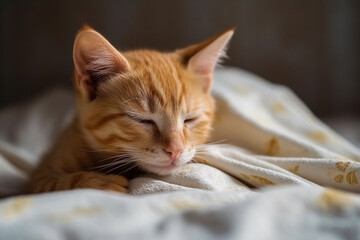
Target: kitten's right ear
pixel 202 58
pixel 95 61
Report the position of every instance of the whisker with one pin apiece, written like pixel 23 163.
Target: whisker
pixel 212 143
pixel 135 165
pixel 202 160
pixel 114 163
pixel 104 150
pixel 126 155
pixel 109 158
pixel 117 158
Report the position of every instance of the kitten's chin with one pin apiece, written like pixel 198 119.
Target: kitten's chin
pixel 163 171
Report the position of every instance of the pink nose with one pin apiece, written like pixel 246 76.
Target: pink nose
pixel 174 154
pixel 174 147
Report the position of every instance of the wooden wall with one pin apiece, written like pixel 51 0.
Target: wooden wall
pixel 311 46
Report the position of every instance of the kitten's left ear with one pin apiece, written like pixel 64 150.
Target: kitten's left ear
pixel 202 58
pixel 95 61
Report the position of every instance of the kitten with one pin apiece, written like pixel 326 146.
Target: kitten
pixel 139 108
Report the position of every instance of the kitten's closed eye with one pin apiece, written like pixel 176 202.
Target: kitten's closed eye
pixel 190 120
pixel 150 121
pixel 146 121
pixel 141 120
pixel 191 117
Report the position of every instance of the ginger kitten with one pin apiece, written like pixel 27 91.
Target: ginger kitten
pixel 140 108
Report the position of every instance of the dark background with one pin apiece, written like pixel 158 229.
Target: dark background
pixel 311 46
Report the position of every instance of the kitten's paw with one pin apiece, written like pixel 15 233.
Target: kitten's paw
pixel 81 180
pixel 116 183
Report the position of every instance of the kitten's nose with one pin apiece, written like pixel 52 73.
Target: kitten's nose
pixel 173 153
pixel 174 147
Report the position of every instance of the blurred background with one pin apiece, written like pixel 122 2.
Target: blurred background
pixel 313 47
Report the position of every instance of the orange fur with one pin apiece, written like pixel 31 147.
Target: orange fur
pixel 139 108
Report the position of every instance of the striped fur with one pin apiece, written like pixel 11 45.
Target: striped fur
pixel 131 107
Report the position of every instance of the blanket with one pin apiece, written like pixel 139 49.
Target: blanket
pixel 278 213
pixel 271 138
pixel 266 144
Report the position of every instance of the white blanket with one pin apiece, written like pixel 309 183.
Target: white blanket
pixel 285 213
pixel 272 139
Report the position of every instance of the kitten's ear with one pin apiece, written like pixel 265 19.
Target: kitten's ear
pixel 95 61
pixel 202 58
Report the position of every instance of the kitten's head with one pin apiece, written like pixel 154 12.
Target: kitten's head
pixel 153 107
